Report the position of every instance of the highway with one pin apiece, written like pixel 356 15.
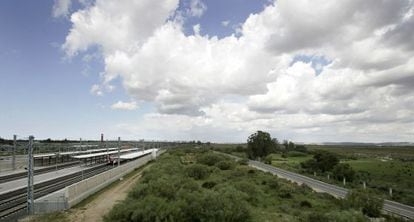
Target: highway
pixel 390 207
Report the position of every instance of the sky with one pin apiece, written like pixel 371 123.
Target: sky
pixel 209 70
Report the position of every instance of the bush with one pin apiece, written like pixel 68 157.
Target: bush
pixel 347 216
pixel 285 193
pixel 243 161
pixel 250 189
pixel 209 184
pixel 149 208
pixel 364 201
pixel 317 217
pixel 273 183
pixel 225 165
pixel 210 159
pixel 268 159
pixel 197 171
pixel 305 203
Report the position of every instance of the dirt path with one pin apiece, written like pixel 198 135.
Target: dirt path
pixel 102 204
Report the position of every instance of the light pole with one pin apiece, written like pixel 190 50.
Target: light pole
pixel 30 177
pixel 119 151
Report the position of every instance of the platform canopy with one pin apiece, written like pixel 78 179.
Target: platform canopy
pixel 135 155
pixel 84 156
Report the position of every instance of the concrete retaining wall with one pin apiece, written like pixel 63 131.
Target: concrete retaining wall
pixel 83 189
pixel 75 193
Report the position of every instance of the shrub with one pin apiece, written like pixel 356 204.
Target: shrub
pixel 317 217
pixel 364 201
pixel 305 203
pixel 225 165
pixel 347 216
pixel 210 159
pixel 273 183
pixel 243 161
pixel 197 171
pixel 209 184
pixel 268 159
pixel 285 193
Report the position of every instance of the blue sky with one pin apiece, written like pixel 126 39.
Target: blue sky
pixel 208 70
pixel 45 94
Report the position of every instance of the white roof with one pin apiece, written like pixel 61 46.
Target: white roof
pixel 134 155
pixel 44 155
pixel 103 153
pixel 73 152
pixel 87 151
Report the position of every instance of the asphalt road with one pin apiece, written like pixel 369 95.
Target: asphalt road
pixel 391 207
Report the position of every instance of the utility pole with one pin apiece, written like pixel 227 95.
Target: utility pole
pixel 14 152
pixel 30 200
pixel 119 151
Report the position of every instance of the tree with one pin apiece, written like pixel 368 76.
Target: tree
pixel 322 161
pixel 291 145
pixel 276 144
pixel 260 144
pixel 301 148
pixel 343 170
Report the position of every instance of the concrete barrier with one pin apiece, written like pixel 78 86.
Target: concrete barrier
pixel 71 195
pixel 83 189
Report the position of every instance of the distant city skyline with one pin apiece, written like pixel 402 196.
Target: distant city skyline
pixel 208 70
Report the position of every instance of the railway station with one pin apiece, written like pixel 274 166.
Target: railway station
pixel 77 182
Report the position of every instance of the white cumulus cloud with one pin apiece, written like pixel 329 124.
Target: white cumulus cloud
pixel 124 105
pixel 61 8
pixel 255 78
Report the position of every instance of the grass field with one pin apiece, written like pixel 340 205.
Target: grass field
pixel 381 168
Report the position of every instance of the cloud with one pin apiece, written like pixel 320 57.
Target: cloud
pixel 124 105
pixel 96 90
pixel 225 23
pixel 197 8
pixel 61 8
pixel 252 79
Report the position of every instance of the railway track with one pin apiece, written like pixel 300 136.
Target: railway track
pixel 13 204
pixel 16 176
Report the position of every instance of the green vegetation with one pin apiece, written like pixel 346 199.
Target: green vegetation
pixel 322 161
pixel 259 145
pixel 217 188
pixel 364 201
pixel 381 168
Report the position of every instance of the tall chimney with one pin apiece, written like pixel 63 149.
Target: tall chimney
pixel 102 138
